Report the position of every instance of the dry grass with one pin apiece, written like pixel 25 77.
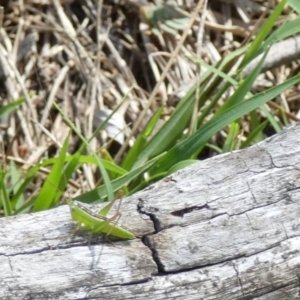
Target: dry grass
pixel 90 56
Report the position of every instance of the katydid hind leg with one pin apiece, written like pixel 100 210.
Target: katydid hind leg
pixel 115 218
pixel 104 211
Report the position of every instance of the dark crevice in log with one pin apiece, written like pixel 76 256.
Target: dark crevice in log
pixel 152 216
pixel 182 212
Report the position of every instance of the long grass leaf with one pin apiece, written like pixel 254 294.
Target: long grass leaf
pixel 99 194
pixel 47 195
pixel 170 132
pixel 140 142
pixel 186 148
pixel 263 33
pixel 100 165
pixel 10 107
pixel 4 195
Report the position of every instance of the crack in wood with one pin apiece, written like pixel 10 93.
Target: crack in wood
pixel 155 256
pixel 182 212
pixel 156 223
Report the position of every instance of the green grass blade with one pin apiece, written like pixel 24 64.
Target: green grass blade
pixel 4 195
pixel 271 118
pixel 255 121
pixel 87 159
pixel 263 33
pixel 10 107
pixel 16 183
pixel 105 155
pixel 181 165
pixel 230 142
pixel 99 194
pixel 21 188
pixel 285 30
pixel 141 141
pixel 243 88
pixel 105 176
pixel 254 133
pixel 188 147
pixel 170 132
pixel 295 4
pixel 103 124
pixel 47 195
pixel 235 97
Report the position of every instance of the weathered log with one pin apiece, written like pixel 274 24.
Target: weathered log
pixel 224 228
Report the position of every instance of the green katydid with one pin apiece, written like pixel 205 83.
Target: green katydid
pixel 98 223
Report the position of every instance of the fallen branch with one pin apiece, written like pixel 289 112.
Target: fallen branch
pixel 224 228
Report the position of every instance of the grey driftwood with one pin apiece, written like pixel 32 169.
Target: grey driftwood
pixel 224 228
